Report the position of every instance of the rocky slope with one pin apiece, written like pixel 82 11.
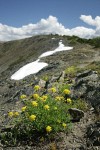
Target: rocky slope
pixel 84 56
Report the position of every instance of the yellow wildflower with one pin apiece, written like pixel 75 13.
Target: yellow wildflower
pixel 46 107
pixel 64 125
pixel 53 89
pixel 10 114
pixel 23 96
pixel 66 91
pixel 59 121
pixel 58 98
pixel 16 114
pixel 34 103
pixel 35 96
pixel 24 108
pixel 62 98
pixel 69 100
pixel 32 117
pixel 36 87
pixel 55 108
pixel 48 129
pixel 44 98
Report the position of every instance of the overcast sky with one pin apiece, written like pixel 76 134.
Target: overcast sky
pixel 24 18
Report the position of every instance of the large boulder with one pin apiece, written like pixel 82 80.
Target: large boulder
pixel 76 114
pixel 87 86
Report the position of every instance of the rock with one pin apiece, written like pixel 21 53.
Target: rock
pixel 61 79
pixel 93 134
pixel 55 78
pixel 88 74
pixel 11 84
pixel 76 114
pixel 42 83
pixel 87 86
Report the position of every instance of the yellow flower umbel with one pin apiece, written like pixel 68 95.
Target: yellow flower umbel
pixel 48 129
pixel 36 96
pixel 53 89
pixel 34 103
pixel 32 117
pixel 66 91
pixel 69 100
pixel 46 107
pixel 36 87
pixel 44 98
pixel 23 96
pixel 57 98
pixel 10 114
pixel 16 114
pixel 55 108
pixel 23 108
pixel 64 125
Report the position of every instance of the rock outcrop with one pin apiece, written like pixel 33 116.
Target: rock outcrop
pixel 87 86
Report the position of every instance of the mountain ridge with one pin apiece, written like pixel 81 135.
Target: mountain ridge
pixel 19 52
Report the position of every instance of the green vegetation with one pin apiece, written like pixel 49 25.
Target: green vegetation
pixel 95 42
pixel 71 71
pixel 80 104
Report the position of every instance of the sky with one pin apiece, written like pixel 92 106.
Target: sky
pixel 25 18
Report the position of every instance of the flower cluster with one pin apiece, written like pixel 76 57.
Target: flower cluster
pixel 52 90
pixel 64 125
pixel 44 98
pixel 36 96
pixel 69 100
pixel 48 129
pixel 10 114
pixel 58 98
pixel 13 114
pixel 32 117
pixel 34 103
pixel 37 88
pixel 66 92
pixel 45 112
pixel 23 96
pixel 46 107
pixel 24 108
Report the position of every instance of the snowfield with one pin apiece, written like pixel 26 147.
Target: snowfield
pixel 36 66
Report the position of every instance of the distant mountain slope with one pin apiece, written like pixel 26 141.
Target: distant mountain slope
pixel 15 54
pixel 19 51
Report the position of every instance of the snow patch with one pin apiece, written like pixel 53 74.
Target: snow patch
pixel 61 47
pixel 30 68
pixel 36 66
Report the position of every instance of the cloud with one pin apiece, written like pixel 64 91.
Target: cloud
pixel 90 21
pixel 48 26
